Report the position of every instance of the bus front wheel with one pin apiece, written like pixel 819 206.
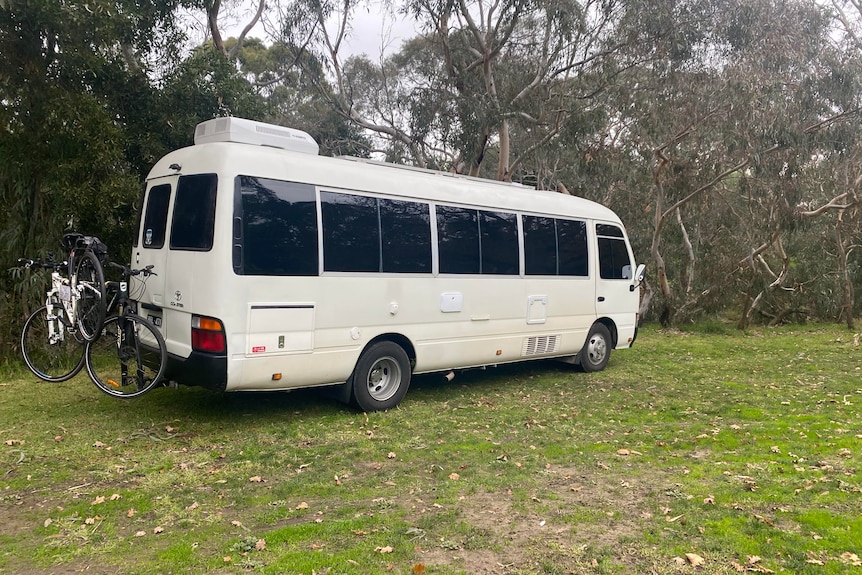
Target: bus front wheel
pixel 596 352
pixel 381 377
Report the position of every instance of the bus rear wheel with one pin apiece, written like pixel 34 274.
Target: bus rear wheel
pixel 596 353
pixel 381 377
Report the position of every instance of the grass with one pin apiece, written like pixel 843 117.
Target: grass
pixel 740 450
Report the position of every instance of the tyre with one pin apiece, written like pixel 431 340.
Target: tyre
pixel 89 283
pixel 128 358
pixel 51 350
pixel 381 377
pixel 596 353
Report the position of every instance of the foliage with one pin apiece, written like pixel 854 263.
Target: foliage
pixel 91 94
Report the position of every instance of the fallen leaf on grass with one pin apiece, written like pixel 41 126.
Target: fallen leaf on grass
pixel 115 497
pixel 260 545
pixel 140 533
pixel 131 513
pixel 694 559
pixel 257 479
pixel 11 442
pixel 100 444
pixel 454 476
pixel 48 522
pixel 386 549
pixel 391 455
pixel 302 505
pixel 419 569
pixel 98 500
pixel 850 559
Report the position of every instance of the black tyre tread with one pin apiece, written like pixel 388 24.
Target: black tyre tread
pixel 105 344
pixel 42 358
pixel 361 397
pixel 90 320
pixel 586 363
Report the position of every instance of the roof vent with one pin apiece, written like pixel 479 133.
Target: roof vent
pixel 257 133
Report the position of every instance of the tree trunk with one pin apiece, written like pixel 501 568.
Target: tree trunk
pixel 847 297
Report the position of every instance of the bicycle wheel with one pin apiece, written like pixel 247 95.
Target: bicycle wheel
pixel 89 283
pixel 51 351
pixel 129 357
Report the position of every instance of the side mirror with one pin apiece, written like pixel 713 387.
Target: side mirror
pixel 640 273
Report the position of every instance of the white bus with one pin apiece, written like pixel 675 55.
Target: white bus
pixel 281 269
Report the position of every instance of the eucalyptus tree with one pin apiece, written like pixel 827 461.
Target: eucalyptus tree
pixel 730 110
pixel 91 93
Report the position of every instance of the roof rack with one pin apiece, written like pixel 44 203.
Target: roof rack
pixel 434 172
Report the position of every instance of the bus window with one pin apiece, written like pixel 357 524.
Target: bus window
pixel 540 246
pixel 194 213
pixel 406 236
pixel 572 241
pixel 276 228
pixel 614 260
pixel 458 240
pixel 156 216
pixel 499 243
pixel 351 233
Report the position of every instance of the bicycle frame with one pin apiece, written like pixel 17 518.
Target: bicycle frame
pixel 61 290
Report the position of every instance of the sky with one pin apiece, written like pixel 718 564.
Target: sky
pixel 375 27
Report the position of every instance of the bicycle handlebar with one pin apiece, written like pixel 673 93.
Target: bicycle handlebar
pixel 27 263
pixel 128 271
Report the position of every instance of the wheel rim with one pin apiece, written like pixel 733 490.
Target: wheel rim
pixel 384 379
pixel 597 349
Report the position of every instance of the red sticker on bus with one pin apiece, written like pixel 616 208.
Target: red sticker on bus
pixel 258 349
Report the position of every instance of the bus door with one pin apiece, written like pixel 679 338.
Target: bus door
pixel 151 247
pixel 615 296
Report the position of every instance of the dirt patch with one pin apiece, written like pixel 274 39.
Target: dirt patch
pixel 515 535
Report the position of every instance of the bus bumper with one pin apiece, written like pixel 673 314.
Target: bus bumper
pixel 198 369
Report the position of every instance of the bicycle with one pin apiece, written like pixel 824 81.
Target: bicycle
pixel 51 343
pixel 129 358
pixel 87 281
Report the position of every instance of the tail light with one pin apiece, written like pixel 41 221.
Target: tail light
pixel 208 335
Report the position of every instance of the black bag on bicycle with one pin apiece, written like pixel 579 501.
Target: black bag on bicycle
pixel 76 241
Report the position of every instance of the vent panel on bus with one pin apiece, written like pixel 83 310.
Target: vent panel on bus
pixel 540 345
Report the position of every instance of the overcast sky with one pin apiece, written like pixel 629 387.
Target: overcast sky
pixel 373 29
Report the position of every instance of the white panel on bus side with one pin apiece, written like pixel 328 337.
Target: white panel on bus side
pixel 280 328
pixel 451 302
pixel 537 309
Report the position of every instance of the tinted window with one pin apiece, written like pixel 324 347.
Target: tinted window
pixel 405 236
pixel 156 216
pixel 614 260
pixel 499 237
pixel 275 228
pixel 572 242
pixel 458 240
pixel 555 247
pixel 194 213
pixel 351 233
pixel 540 246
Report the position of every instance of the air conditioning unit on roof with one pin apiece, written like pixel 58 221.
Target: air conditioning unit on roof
pixel 257 133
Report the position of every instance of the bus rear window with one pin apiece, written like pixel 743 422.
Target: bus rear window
pixel 155 220
pixel 194 213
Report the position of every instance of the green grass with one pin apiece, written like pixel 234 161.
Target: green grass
pixel 742 449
